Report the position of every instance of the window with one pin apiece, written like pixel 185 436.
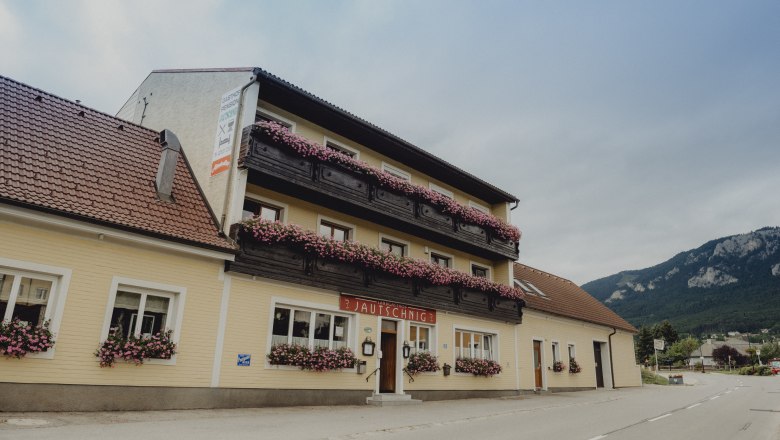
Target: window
pixel 527 287
pixel 310 328
pixel 341 148
pixel 473 345
pixel 26 296
pixel 396 172
pixel 572 352
pixel 334 231
pixel 479 207
pixel 265 115
pixel 393 247
pixel 143 308
pixel 264 210
pixel 420 337
pixel 441 260
pixel 141 312
pixel 440 190
pixel 479 271
pixel 556 352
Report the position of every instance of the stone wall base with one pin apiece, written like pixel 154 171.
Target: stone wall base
pixel 22 397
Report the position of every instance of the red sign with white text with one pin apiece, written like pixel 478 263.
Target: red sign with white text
pixel 388 309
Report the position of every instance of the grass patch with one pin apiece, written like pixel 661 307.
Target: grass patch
pixel 650 377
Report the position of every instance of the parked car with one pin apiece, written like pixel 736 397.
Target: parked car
pixel 775 364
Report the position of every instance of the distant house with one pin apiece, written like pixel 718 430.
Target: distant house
pixel 704 352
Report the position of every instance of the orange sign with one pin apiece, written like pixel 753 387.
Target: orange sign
pixel 388 309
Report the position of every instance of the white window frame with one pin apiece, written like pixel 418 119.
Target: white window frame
pixel 483 266
pixel 176 294
pixel 341 145
pixel 485 332
pixel 571 348
pixel 60 278
pixel 556 351
pixel 271 115
pixel 352 228
pixel 407 244
pixel 262 199
pixel 314 308
pixel 479 207
pixel 443 254
pixel 443 191
pixel 397 172
pixel 432 331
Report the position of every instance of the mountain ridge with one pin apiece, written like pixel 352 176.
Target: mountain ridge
pixel 729 283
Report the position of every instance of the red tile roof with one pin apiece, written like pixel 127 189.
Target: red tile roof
pixel 564 298
pixel 64 158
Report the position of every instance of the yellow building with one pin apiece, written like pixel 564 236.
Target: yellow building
pixel 301 237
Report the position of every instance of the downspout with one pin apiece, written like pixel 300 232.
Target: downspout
pixel 517 203
pixel 234 157
pixel 611 364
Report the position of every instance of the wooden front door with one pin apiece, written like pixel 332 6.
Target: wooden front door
pixel 387 363
pixel 599 369
pixel 538 364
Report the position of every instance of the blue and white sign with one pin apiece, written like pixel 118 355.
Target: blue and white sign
pixel 244 360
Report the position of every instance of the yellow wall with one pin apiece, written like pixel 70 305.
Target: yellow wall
pixel 306 214
pixel 249 324
pixel 549 328
pixel 317 134
pixel 94 263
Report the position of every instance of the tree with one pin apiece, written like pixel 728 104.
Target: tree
pixel 769 351
pixel 722 354
pixel 644 344
pixel 681 350
pixel 666 331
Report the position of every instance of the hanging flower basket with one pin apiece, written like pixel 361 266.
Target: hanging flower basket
pixel 320 359
pixel 574 367
pixel 135 350
pixel 272 233
pixel 477 367
pixel 558 366
pixel 18 338
pixel 306 148
pixel 422 362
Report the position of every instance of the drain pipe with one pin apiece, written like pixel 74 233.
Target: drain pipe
pixel 611 364
pixel 234 156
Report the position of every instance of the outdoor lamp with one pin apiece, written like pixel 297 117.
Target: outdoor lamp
pixel 407 350
pixel 368 347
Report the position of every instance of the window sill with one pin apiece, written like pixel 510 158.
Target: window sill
pixel 171 361
pixel 48 355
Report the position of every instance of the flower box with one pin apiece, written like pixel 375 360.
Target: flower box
pixel 19 338
pixel 574 367
pixel 477 367
pixel 319 359
pixel 422 362
pixel 136 350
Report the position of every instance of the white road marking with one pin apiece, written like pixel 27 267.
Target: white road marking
pixel 693 406
pixel 713 398
pixel 597 437
pixel 659 417
pixel 727 392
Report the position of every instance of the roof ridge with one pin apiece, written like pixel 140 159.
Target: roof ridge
pixel 544 273
pixel 78 104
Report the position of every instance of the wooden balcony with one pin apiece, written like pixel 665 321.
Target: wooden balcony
pixel 295 266
pixel 336 187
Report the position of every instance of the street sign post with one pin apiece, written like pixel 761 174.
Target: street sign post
pixel 658 344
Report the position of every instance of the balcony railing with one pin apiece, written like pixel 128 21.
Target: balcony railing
pixel 293 264
pixel 333 185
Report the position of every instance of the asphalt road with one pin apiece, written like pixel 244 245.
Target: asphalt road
pixel 714 407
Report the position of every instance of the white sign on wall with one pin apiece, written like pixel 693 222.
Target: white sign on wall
pixel 226 128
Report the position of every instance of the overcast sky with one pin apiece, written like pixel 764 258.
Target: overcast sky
pixel 630 131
